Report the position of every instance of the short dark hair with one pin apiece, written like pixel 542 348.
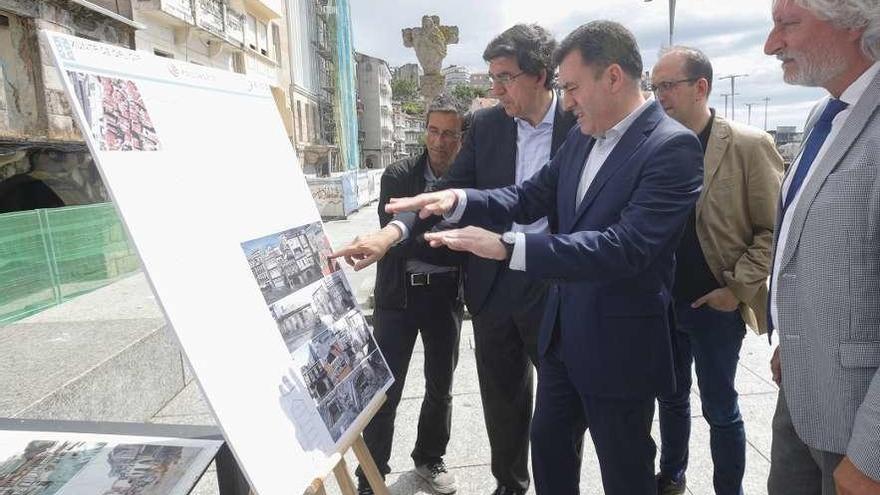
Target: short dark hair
pixel 601 44
pixel 531 45
pixel 696 63
pixel 444 104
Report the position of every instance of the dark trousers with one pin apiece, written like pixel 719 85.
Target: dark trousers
pixel 795 467
pixel 434 311
pixel 620 429
pixel 506 347
pixel 711 340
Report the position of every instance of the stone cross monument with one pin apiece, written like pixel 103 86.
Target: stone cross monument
pixel 429 42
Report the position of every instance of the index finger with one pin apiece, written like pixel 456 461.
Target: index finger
pixel 346 251
pixel 398 205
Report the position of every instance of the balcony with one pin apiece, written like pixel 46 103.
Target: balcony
pixel 177 13
pixel 214 19
pixel 210 15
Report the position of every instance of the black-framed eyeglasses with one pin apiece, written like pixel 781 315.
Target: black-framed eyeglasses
pixel 504 79
pixel 565 88
pixel 667 85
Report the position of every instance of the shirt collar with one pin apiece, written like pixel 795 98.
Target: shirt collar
pixel 621 127
pixel 858 87
pixel 548 119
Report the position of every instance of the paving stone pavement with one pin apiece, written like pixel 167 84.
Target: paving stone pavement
pixel 468 451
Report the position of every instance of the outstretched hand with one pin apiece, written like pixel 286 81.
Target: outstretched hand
pixel 481 242
pixel 367 249
pixel 427 204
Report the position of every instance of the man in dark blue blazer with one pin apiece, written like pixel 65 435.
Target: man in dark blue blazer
pixel 621 188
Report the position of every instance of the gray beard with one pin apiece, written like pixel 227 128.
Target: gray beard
pixel 824 67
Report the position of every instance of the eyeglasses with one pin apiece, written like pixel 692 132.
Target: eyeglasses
pixel 565 88
pixel 446 135
pixel 504 79
pixel 667 85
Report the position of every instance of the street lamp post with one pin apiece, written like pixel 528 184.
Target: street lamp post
pixel 749 106
pixel 732 78
pixel 671 19
pixel 725 95
pixel 766 101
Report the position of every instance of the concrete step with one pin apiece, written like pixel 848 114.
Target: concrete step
pixel 104 356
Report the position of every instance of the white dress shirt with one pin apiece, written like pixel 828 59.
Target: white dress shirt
pixel 850 96
pixel 533 146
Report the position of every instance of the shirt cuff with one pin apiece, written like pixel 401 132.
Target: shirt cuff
pixel 518 257
pixel 404 232
pixel 455 215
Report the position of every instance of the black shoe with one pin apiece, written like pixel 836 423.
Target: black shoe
pixel 503 490
pixel 668 486
pixel 364 488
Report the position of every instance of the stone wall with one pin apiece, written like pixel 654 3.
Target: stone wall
pixel 38 135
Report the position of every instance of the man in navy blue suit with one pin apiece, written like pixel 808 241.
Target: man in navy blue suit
pixel 621 188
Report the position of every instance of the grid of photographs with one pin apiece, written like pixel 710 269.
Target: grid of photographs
pixel 76 466
pixel 285 262
pixel 115 112
pixel 336 362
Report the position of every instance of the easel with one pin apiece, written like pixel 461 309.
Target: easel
pixel 355 441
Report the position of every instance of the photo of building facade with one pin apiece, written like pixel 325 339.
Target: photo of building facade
pixel 115 111
pixel 49 467
pixel 43 467
pixel 340 409
pixel 285 262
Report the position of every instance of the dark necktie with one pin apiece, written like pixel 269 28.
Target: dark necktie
pixel 811 148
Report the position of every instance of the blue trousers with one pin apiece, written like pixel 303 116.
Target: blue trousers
pixel 711 340
pixel 620 429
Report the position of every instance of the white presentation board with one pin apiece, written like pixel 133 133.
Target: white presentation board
pixel 52 463
pixel 208 186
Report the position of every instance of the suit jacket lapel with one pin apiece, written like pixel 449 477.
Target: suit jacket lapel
pixel 568 182
pixel 561 126
pixel 719 140
pixel 855 122
pixel 631 140
pixel 507 151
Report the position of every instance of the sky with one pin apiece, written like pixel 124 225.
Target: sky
pixel 731 33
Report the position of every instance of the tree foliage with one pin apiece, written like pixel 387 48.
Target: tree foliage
pixel 404 90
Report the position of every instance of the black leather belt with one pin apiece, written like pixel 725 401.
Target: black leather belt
pixel 420 279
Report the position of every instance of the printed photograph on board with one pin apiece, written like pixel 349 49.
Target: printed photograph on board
pixel 285 262
pixel 48 467
pixel 115 112
pixel 343 405
pixel 311 311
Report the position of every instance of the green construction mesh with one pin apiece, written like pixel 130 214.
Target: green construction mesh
pixel 49 256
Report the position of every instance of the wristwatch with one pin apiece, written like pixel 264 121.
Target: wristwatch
pixel 508 240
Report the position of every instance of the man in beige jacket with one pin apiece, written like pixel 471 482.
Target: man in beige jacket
pixel 721 274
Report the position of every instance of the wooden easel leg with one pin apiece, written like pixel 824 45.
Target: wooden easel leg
pixel 346 484
pixel 368 466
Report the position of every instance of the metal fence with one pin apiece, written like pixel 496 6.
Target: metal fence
pixel 49 256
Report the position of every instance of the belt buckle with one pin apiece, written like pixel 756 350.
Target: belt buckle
pixel 419 279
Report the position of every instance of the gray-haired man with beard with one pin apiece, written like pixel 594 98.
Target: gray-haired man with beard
pixel 825 280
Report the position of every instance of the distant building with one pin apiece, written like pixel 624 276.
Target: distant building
pixel 414 135
pixel 456 75
pixel 788 142
pixel 481 80
pixel 408 72
pixel 374 90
